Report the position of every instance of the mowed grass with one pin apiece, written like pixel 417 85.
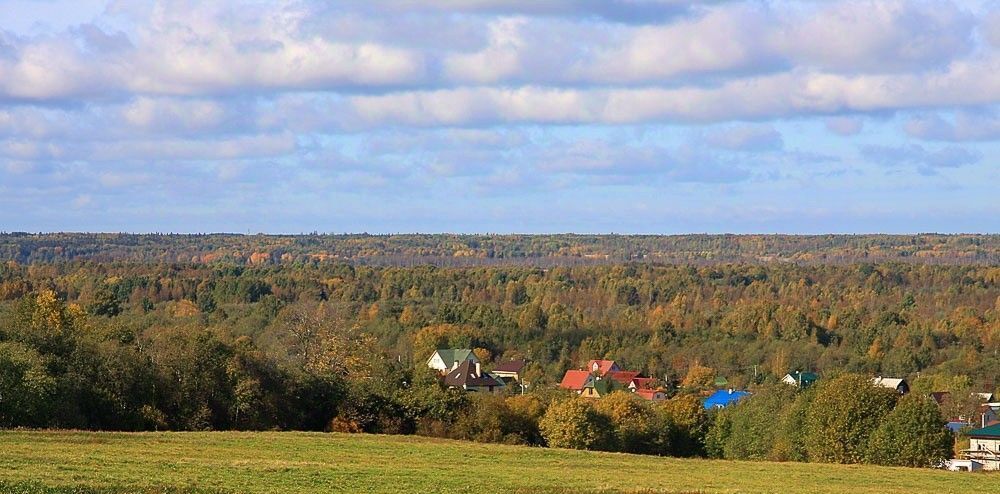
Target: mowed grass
pixel 288 462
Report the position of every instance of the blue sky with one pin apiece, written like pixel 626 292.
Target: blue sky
pixel 626 116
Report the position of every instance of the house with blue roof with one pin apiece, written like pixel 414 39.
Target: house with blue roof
pixel 724 397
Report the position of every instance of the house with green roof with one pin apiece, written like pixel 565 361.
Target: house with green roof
pixel 447 359
pixel 984 447
pixel 800 379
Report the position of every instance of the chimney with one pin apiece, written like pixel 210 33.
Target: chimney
pixel 478 370
pixel 454 365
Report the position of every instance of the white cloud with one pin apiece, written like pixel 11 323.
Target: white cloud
pixel 500 59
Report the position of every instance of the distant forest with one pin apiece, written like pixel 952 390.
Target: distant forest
pixel 486 250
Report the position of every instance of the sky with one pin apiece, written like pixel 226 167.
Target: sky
pixel 497 116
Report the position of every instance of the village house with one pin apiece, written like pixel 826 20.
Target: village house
pixel 899 385
pixel 447 359
pixel 723 398
pixel 651 394
pixel 641 383
pixel 510 371
pixel 576 380
pixel 625 378
pixel 602 367
pixel 800 379
pixel 984 447
pixel 469 376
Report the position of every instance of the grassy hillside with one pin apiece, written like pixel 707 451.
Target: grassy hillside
pixel 81 462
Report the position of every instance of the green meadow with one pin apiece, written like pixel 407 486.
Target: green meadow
pixel 284 462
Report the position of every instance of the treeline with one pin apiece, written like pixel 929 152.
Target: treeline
pixel 487 250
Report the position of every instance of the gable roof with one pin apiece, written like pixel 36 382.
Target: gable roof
pixel 987 397
pixel 888 382
pixel 644 382
pixel 991 432
pixel 603 366
pixel 648 394
pixel 575 379
pixel 510 366
pixel 940 396
pixel 465 375
pixel 724 397
pixel 624 377
pixel 452 355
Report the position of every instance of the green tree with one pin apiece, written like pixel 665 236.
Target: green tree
pixel 912 435
pixel 684 418
pixel 26 388
pixel 753 428
pixel 843 415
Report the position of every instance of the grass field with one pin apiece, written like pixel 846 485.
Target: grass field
pixel 282 462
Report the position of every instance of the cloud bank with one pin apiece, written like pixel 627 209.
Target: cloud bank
pixel 243 114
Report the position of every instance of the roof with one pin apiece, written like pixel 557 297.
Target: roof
pixel 724 397
pixel 940 396
pixel 955 425
pixel 603 366
pixel 624 377
pixel 644 382
pixel 575 379
pixel 510 366
pixel 888 382
pixel 648 394
pixel 991 432
pixel 984 396
pixel 465 375
pixel 451 355
pixel 721 382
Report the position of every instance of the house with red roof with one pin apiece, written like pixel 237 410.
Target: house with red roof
pixel 624 377
pixel 643 383
pixel 602 367
pixel 651 394
pixel 576 380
